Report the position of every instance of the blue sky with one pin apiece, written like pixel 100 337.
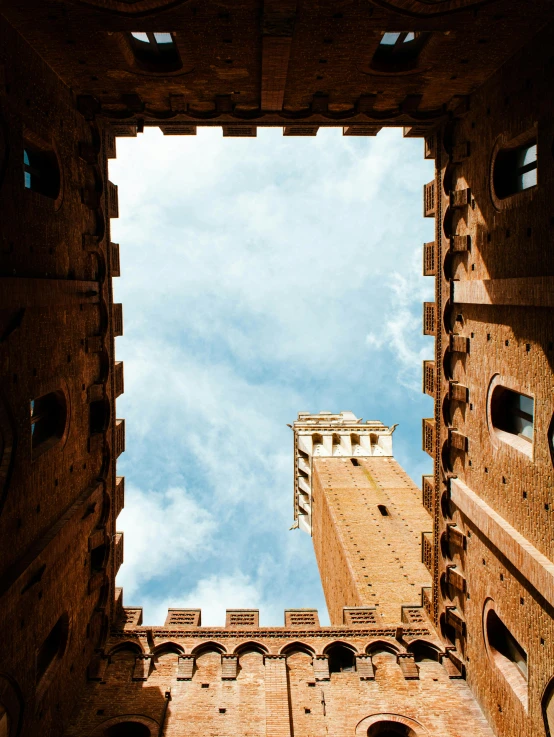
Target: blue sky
pixel 260 277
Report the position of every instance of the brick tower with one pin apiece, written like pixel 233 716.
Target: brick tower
pixel 364 513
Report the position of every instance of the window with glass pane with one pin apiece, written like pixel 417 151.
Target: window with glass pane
pixel 515 170
pixel 48 417
pixel 398 51
pixel 41 172
pixel 155 50
pixel 513 413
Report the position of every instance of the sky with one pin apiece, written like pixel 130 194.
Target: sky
pixel 260 277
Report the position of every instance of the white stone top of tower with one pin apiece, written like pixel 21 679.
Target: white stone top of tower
pixel 331 435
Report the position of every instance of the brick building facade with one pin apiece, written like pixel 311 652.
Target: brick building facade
pixel 456 635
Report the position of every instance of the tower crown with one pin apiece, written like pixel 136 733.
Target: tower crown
pixel 331 435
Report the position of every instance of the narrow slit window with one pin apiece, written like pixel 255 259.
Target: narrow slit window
pixel 515 170
pixel 384 511
pixel 48 416
pixel 41 172
pixel 155 51
pixel 512 413
pixel 354 462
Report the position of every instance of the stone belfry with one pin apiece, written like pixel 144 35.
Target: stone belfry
pixel 364 513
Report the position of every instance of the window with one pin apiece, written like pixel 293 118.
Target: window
pixel 48 420
pixel 53 647
pixel 41 172
pixel 4 722
pixel 515 169
pixel 98 558
pixel 547 709
pixel 341 659
pixel 128 729
pixel 155 52
pixel 390 729
pixel 507 653
pixel 354 462
pixel 512 417
pixel 384 511
pixel 398 52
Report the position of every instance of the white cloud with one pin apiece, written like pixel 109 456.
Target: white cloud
pixel 213 595
pixel 259 278
pixel 161 531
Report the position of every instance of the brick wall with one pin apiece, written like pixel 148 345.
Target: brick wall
pixel 275 690
pixel 365 558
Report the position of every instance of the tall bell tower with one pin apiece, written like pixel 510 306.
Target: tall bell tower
pixel 363 511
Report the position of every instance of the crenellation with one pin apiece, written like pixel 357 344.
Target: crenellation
pixel 441 600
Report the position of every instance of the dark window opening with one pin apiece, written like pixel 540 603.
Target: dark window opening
pixel 53 647
pixel 41 172
pixel 354 462
pixel 504 643
pixel 390 729
pixel 384 511
pixel 98 558
pixel 128 729
pixel 398 52
pixel 99 416
pixel 48 420
pixel 341 659
pixel 155 52
pixel 515 169
pixel 513 413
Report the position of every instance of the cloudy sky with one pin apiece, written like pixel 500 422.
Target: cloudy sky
pixel 260 277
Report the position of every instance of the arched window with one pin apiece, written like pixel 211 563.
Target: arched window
pixel 512 417
pixel 128 729
pixel 53 647
pixel 390 729
pixel 48 420
pixel 398 52
pixel 515 169
pixel 41 171
pixel 341 659
pixel 507 653
pixel 155 52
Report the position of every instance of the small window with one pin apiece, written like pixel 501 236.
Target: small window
pixel 53 647
pixel 398 52
pixel 48 420
pixel 515 169
pixel 98 558
pixel 155 52
pixel 341 659
pixel 507 653
pixel 41 172
pixel 512 414
pixel 384 511
pixel 354 462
